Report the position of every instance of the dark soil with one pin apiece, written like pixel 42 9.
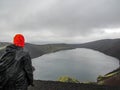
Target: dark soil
pixel 53 85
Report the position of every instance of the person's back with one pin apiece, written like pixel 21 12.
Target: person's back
pixel 19 70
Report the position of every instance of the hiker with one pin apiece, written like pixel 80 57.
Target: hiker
pixel 15 66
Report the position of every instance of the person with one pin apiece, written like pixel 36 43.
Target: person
pixel 20 70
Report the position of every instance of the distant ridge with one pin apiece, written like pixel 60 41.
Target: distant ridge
pixel 109 47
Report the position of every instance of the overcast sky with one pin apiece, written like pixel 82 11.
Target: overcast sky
pixel 60 21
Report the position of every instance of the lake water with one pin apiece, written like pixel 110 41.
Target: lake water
pixel 82 64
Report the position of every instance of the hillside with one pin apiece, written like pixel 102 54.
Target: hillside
pixel 38 50
pixel 53 85
pixel 111 78
pixel 109 47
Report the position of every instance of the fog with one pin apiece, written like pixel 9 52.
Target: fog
pixel 82 64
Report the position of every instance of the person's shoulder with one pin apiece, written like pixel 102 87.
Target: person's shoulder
pixel 25 54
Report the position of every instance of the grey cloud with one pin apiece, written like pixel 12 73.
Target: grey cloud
pixel 78 16
pixel 65 18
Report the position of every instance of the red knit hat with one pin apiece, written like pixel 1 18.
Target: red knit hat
pixel 19 40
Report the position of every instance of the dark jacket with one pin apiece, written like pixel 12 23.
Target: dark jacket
pixel 20 73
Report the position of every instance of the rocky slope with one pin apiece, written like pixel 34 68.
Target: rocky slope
pixel 52 85
pixel 111 79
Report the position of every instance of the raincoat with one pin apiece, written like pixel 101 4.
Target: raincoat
pixel 18 70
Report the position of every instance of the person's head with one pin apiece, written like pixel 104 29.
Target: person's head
pixel 19 40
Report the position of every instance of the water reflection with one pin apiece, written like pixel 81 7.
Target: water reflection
pixel 83 64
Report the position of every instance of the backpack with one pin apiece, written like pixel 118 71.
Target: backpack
pixel 8 66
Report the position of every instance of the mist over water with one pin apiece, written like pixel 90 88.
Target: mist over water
pixel 82 64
